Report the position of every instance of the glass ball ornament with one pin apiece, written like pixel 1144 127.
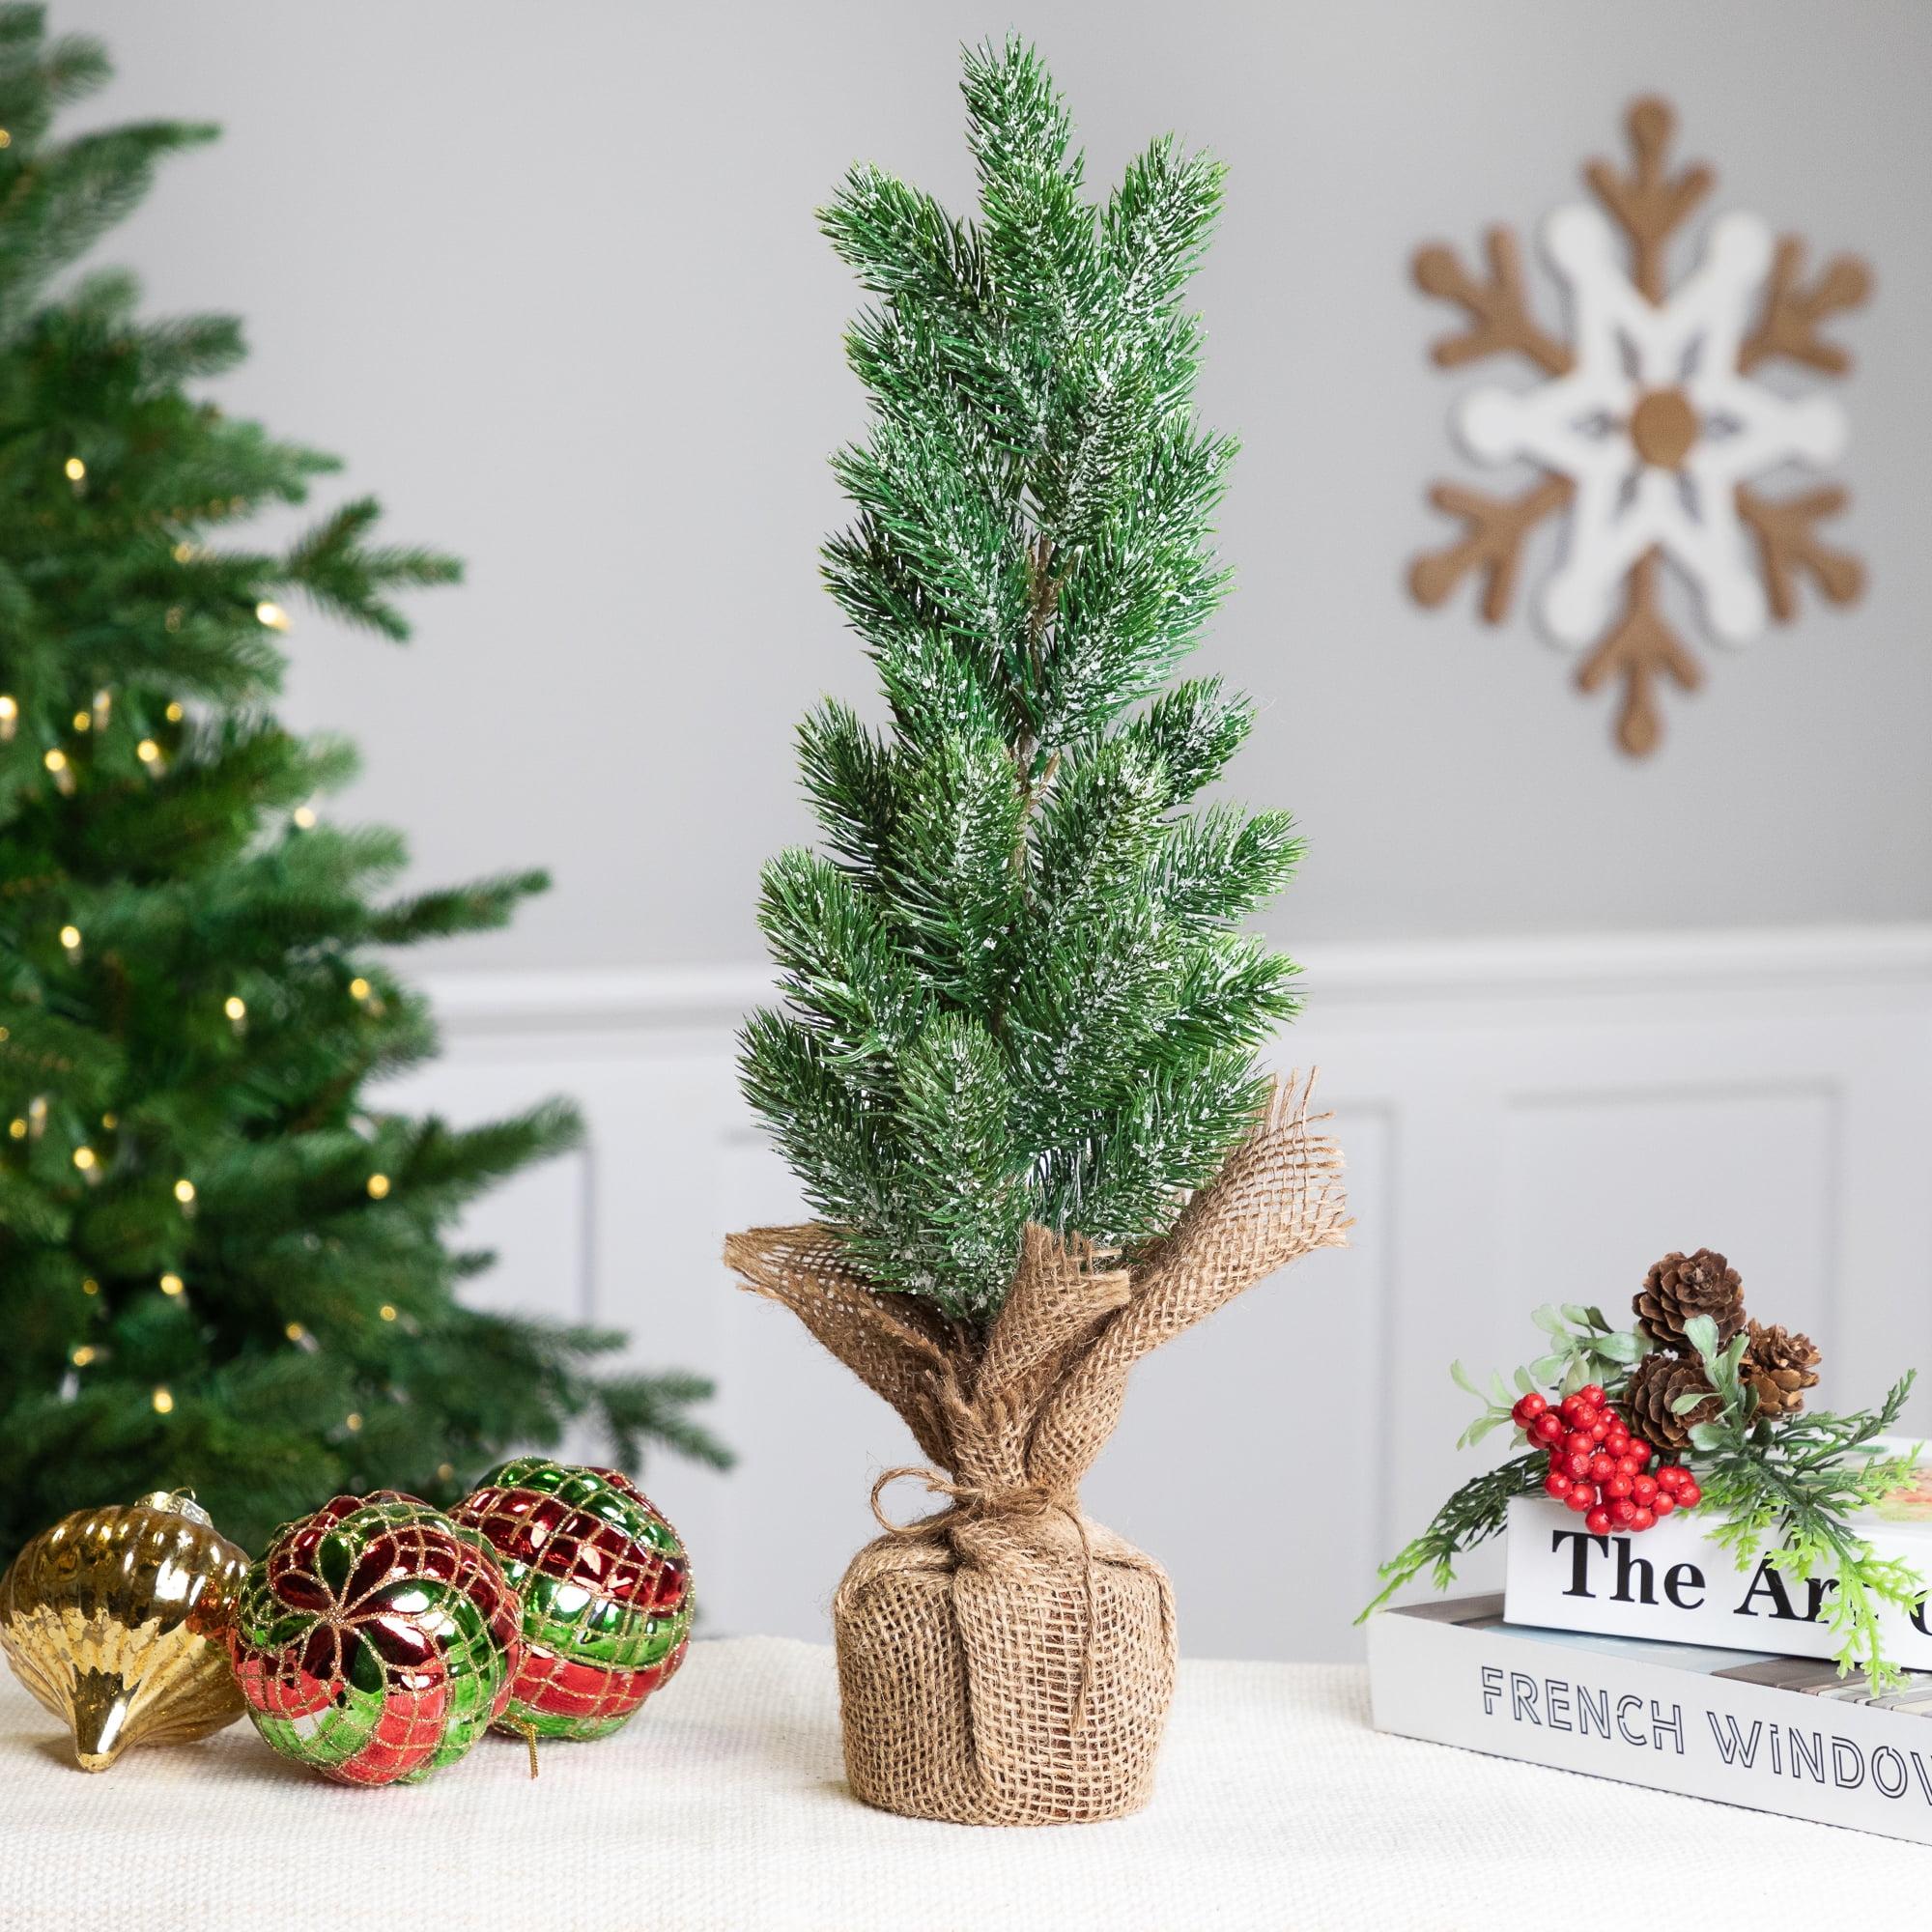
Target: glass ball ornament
pixel 376 1640
pixel 605 1586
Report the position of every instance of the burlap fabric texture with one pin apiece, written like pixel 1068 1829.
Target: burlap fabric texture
pixel 1007 1662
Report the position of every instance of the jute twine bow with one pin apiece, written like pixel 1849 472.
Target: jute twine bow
pixel 1021 1499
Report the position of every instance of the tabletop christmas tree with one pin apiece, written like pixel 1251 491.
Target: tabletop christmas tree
pixel 1015 1069
pixel 222 1265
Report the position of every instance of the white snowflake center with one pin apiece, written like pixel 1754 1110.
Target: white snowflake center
pixel 1655 425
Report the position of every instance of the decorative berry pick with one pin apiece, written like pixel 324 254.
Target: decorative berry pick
pixel 1721 1397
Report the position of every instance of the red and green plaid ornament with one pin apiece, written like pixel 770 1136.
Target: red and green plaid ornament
pixel 606 1589
pixel 376 1640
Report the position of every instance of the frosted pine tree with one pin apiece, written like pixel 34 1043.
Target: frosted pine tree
pixel 1015 987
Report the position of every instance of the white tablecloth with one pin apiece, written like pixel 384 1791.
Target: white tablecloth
pixel 725 1807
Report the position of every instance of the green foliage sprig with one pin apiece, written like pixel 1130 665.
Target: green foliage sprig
pixel 1475 1513
pixel 1783 1487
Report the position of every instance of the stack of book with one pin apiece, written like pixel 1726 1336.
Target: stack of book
pixel 1654 1660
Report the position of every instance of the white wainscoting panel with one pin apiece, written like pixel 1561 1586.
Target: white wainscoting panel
pixel 1524 1122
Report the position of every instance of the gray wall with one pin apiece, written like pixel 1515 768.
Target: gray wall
pixel 550 277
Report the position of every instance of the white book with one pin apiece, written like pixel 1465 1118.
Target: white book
pixel 1673 1584
pixel 1772 1733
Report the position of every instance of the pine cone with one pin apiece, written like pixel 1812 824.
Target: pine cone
pixel 1683 1287
pixel 1778 1365
pixel 1655 1383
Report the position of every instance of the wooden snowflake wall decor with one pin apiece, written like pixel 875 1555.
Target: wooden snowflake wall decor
pixel 1649 425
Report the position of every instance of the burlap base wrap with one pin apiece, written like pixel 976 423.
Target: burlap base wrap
pixel 1007 1662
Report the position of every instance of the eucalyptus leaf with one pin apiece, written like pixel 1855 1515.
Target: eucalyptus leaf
pixel 1577 1316
pixel 1546 1318
pixel 1701 1332
pixel 1460 1375
pixel 1706 1436
pixel 1596 1317
pixel 1683 1405
pixel 1621 1348
pixel 1547 1368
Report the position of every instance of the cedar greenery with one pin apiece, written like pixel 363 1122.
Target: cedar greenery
pixel 1014 986
pixel 1789 1483
pixel 216 1249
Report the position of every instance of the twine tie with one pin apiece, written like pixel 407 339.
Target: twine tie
pixel 1022 1499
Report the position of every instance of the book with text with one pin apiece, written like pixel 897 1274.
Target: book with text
pixel 1674 1585
pixel 1776 1733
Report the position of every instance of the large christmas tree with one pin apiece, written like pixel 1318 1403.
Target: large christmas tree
pixel 1016 988
pixel 221 1264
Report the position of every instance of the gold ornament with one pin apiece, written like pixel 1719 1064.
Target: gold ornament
pixel 116 1620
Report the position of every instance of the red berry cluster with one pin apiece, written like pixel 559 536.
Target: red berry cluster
pixel 1599 1469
